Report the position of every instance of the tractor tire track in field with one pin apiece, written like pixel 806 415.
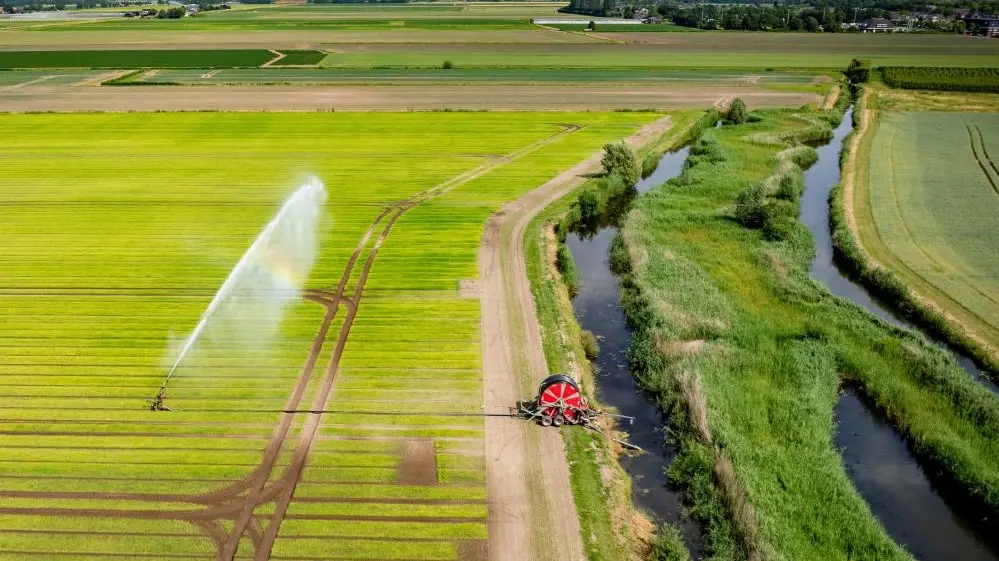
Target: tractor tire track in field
pixel 238 501
pixel 910 231
pixel 983 157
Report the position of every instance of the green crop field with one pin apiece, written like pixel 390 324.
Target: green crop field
pixel 110 255
pixel 300 58
pixel 208 58
pixel 934 200
pixel 945 78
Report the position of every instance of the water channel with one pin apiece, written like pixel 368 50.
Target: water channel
pixel 878 461
pixel 598 309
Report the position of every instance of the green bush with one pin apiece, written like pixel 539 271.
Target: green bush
pixel 806 157
pixel 668 545
pixel 447 65
pixel 790 187
pixel 750 206
pixel 779 228
pixel 588 203
pixel 781 209
pixel 858 72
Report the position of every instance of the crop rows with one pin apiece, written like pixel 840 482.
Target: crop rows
pixel 106 261
pixel 942 78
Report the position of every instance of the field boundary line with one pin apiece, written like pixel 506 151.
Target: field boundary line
pixel 28 83
pixel 277 57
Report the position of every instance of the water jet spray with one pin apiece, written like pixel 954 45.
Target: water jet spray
pixel 269 275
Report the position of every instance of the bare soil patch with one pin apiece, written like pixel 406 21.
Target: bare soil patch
pixel 469 288
pixel 473 550
pixel 419 462
pixel 387 98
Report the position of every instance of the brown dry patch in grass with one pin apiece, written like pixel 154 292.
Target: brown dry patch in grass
pixel 778 265
pixel 697 404
pixel 678 349
pixel 419 462
pixel 473 550
pixel 743 513
pixel 469 288
pixel 384 98
pixel 830 101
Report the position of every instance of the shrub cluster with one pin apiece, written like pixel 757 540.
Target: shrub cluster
pixel 858 72
pixel 942 78
pixel 776 216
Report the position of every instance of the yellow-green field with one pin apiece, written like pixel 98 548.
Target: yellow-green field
pixel 110 252
pixel 934 202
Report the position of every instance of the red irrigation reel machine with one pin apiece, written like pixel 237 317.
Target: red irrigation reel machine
pixel 559 402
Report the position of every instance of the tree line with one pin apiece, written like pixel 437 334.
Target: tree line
pixel 827 16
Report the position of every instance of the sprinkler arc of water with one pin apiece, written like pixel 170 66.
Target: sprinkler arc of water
pixel 307 199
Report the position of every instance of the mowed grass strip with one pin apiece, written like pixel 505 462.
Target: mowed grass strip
pixel 208 58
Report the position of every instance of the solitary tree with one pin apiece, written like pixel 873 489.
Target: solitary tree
pixel 736 112
pixel 620 159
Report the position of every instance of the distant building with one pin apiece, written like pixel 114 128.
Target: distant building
pixel 978 24
pixel 877 25
pixel 960 13
pixel 191 9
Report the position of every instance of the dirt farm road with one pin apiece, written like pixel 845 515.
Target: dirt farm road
pixel 45 97
pixel 532 513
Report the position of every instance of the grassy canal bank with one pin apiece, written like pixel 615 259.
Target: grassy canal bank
pixel 750 356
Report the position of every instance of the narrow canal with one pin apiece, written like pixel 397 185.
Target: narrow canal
pixel 598 309
pixel 877 459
